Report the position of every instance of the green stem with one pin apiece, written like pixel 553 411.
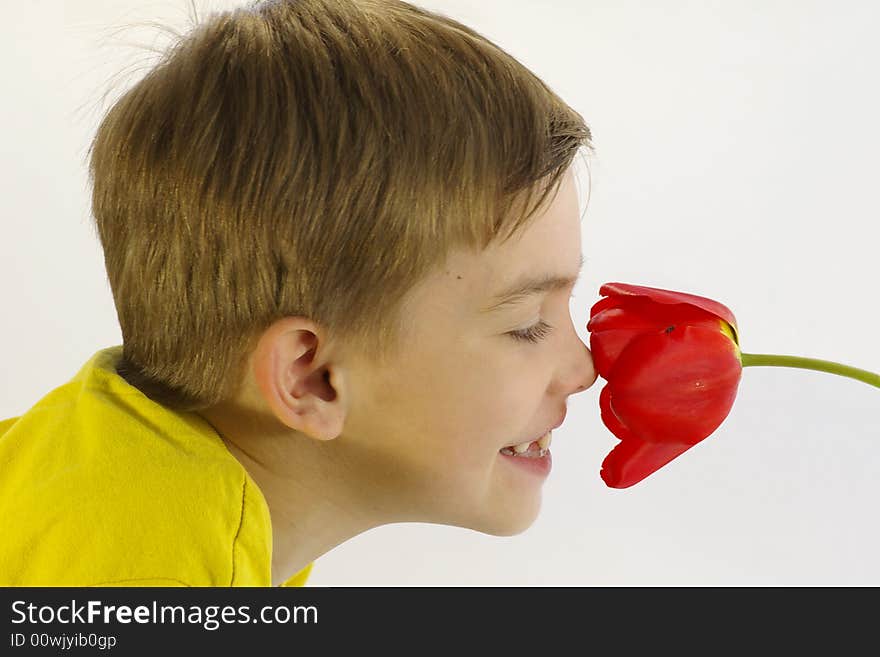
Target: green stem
pixel 810 364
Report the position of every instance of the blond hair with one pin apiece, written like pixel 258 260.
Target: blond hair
pixel 308 158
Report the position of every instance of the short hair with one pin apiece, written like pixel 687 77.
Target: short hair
pixel 311 158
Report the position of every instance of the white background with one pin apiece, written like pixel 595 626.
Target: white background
pixel 737 158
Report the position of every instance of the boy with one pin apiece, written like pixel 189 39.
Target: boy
pixel 341 238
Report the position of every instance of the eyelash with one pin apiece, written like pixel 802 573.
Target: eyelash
pixel 534 333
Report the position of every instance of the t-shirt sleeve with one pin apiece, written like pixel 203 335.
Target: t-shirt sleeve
pixel 5 424
pixel 300 578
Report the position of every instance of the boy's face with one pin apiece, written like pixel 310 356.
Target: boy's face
pixel 426 431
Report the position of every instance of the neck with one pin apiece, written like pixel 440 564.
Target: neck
pixel 315 502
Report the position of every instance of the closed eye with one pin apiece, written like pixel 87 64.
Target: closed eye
pixel 534 333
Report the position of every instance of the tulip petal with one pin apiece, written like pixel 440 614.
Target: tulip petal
pixel 661 296
pixel 607 346
pixel 632 459
pixel 675 386
pixel 644 314
pixel 632 315
pixel 610 418
pixel 613 324
pixel 612 329
pixel 603 303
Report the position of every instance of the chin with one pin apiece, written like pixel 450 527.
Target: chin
pixel 512 529
pixel 509 531
pixel 509 522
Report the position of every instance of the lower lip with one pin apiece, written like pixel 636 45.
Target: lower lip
pixel 539 466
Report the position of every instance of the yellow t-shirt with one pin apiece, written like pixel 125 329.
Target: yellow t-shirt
pixel 102 486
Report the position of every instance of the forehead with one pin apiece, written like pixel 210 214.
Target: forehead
pixel 549 246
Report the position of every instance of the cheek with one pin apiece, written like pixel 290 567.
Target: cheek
pixel 464 402
pixel 500 411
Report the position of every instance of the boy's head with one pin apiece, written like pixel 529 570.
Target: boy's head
pixel 306 209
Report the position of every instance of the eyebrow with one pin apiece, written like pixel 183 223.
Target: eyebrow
pixel 531 285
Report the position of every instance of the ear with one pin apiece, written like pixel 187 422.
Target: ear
pixel 297 382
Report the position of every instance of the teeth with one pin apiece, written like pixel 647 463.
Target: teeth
pixel 544 441
pixel 543 444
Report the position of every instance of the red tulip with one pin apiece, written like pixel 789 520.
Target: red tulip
pixel 672 363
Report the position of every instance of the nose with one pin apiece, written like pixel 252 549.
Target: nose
pixel 580 373
pixel 587 372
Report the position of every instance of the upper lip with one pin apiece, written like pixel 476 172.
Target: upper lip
pixel 550 428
